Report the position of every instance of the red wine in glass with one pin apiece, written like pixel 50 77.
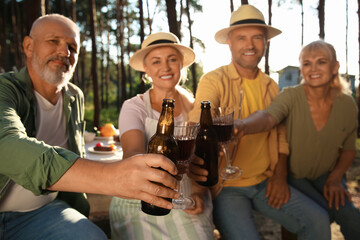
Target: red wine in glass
pixel 186 148
pixel 185 135
pixel 223 131
pixel 223 122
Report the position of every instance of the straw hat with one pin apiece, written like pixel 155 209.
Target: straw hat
pixel 244 16
pixel 160 39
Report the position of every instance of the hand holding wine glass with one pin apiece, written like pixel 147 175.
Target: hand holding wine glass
pixel 185 135
pixel 223 122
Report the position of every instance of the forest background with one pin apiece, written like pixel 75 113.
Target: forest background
pixel 112 30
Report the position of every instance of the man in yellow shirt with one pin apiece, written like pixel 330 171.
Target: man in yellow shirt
pixel 262 157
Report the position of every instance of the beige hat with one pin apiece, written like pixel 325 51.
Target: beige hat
pixel 246 15
pixel 160 39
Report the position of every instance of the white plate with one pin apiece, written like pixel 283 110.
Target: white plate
pixel 91 149
pixel 104 138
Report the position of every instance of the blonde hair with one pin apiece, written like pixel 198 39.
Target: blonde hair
pixel 338 84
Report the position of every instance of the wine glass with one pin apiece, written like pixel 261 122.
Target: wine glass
pixel 237 115
pixel 185 135
pixel 223 123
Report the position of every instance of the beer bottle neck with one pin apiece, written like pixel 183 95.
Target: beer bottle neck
pixel 166 122
pixel 205 119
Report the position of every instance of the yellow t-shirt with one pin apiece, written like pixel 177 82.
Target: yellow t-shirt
pixel 222 88
pixel 252 155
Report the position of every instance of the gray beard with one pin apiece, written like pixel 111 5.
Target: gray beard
pixel 60 77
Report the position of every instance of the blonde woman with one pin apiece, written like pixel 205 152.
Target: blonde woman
pixel 162 58
pixel 321 121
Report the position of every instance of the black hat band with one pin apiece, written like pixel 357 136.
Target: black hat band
pixel 247 21
pixel 160 41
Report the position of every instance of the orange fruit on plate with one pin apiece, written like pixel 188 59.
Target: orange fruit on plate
pixel 108 130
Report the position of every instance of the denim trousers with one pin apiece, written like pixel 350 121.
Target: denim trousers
pixel 234 219
pixel 347 216
pixel 55 221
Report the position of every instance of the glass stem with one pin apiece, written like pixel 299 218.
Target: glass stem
pixel 180 190
pixel 225 148
pixel 233 151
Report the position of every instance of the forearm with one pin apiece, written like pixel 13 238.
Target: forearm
pixel 281 168
pixel 84 176
pixel 134 177
pixel 343 164
pixel 259 121
pixel 277 189
pixel 133 143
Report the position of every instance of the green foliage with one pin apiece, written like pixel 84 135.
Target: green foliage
pixel 106 13
pixel 189 82
pixel 109 115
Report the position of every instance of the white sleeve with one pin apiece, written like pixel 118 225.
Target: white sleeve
pixel 132 115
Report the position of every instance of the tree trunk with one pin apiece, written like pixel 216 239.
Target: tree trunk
pixel 102 62
pixel 179 23
pixel 346 41
pixel 73 10
pixel 128 50
pixel 142 37
pixel 148 19
pixel 321 10
pixel 231 5
pixel 118 68
pixel 267 68
pixel 121 76
pixel 62 6
pixel 302 23
pixel 358 12
pixel 43 7
pixel 93 63
pixel 81 67
pixel 193 66
pixel 33 11
pixel 171 15
pixel 122 53
pixel 4 63
pixel 107 71
pixel 244 2
pixel 73 17
pixel 16 46
pixel 47 6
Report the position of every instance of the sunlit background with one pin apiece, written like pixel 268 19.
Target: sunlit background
pixel 285 48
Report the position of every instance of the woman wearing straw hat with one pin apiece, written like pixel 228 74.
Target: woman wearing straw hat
pixel 162 58
pixel 263 156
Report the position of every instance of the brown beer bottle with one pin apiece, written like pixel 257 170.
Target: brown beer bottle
pixel 163 142
pixel 207 145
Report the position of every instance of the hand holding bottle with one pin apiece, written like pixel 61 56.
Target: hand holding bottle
pixel 163 142
pixel 196 172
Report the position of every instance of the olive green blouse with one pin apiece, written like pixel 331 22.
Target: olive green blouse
pixel 312 152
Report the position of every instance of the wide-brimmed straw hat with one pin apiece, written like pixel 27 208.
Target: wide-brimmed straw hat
pixel 245 16
pixel 156 40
